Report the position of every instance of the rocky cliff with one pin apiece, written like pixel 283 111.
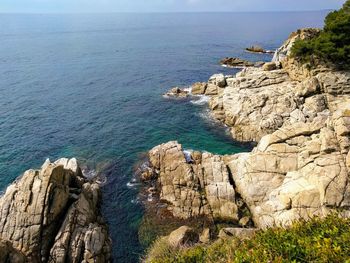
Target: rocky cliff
pixel 52 215
pixel 300 118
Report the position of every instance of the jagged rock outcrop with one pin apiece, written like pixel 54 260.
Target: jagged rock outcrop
pixel 193 184
pixel 52 215
pixel 300 118
pixel 258 101
pixel 176 92
pixel 239 63
pixel 258 49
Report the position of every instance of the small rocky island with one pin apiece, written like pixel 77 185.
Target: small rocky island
pixel 52 215
pixel 300 118
pixel 259 49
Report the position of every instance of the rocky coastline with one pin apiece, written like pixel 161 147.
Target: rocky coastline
pixel 298 116
pixel 300 119
pixel 52 215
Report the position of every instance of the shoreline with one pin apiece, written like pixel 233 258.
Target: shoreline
pixel 305 109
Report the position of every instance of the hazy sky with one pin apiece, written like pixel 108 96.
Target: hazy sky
pixel 42 6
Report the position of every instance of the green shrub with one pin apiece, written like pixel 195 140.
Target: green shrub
pixel 333 43
pixel 318 240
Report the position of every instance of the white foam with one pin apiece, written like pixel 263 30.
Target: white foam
pixel 235 67
pixel 132 184
pixel 89 174
pixel 135 201
pixel 200 100
pixel 150 198
pixel 188 89
pixel 188 154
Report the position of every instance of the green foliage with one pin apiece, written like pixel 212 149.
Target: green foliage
pixel 319 240
pixel 332 44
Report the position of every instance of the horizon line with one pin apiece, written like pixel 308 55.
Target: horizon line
pixel 156 12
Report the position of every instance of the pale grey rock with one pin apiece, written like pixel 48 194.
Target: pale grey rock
pixel 300 167
pixel 37 205
pixel 218 80
pixel 269 66
pixel 176 92
pixel 183 236
pixel 204 237
pixel 201 187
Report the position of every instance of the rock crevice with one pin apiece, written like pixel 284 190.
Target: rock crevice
pixel 52 215
pixel 300 118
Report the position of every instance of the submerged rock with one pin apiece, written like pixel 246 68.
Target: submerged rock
pixel 52 215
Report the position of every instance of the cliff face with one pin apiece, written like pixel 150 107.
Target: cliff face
pixel 52 215
pixel 194 183
pixel 300 168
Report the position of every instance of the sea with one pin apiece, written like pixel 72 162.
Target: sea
pixel 90 86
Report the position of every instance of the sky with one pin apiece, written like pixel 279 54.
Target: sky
pixel 78 6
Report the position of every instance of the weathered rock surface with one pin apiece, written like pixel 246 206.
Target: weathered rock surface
pixel 258 49
pixel 176 93
pixel 300 168
pixel 183 236
pixel 52 215
pixel 239 63
pixel 193 184
pixel 199 88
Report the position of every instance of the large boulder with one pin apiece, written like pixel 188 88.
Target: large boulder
pixel 183 236
pixel 52 208
pixel 193 184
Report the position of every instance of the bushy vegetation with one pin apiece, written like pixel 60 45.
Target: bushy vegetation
pixel 332 44
pixel 318 240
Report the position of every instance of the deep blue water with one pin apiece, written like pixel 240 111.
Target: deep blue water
pixel 90 86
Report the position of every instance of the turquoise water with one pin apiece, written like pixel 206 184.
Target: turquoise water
pixel 90 86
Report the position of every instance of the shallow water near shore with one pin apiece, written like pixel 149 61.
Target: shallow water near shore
pixel 90 86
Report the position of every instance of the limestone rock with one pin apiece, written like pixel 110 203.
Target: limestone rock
pixel 205 236
pixel 245 221
pixel 199 88
pixel 211 89
pixel 183 236
pixel 256 49
pixel 269 66
pixel 285 50
pixel 36 209
pixel 300 118
pixel 177 93
pixel 308 87
pixel 218 80
pixel 236 62
pixel 193 188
